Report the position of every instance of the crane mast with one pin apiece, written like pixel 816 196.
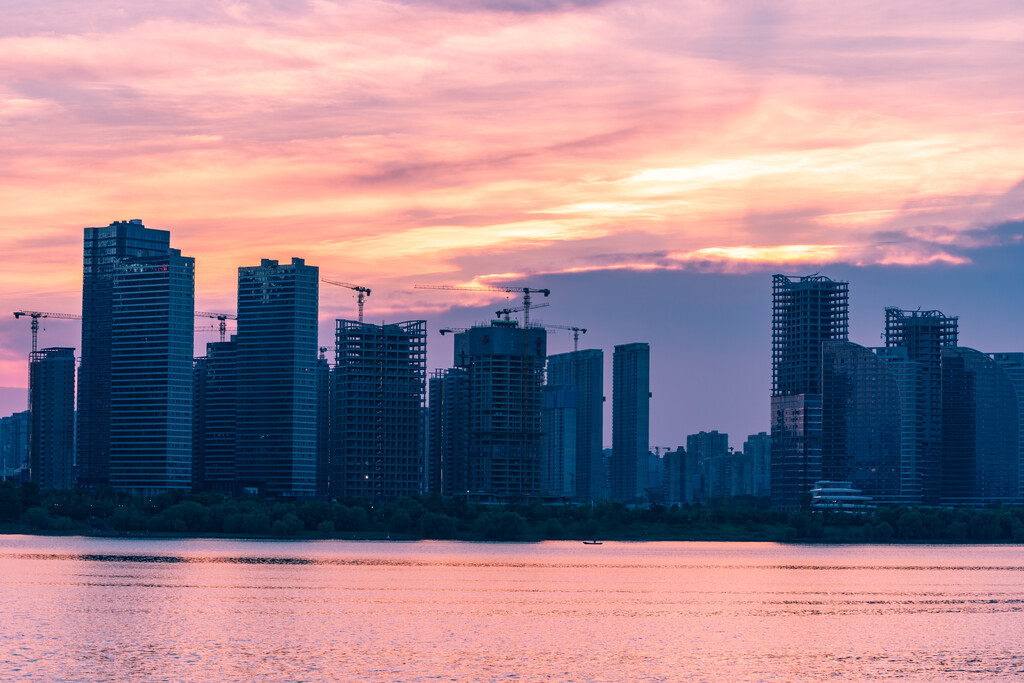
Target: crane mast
pixel 36 315
pixel 362 291
pixel 508 289
pixel 222 318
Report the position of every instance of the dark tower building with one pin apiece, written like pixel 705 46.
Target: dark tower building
pixel 583 371
pixel 448 417
pixel 379 384
pixel 216 415
pixel 806 311
pixel 914 341
pixel 277 378
pixel 323 424
pixel 151 373
pixel 104 250
pixel 631 401
pixel 504 372
pixel 52 417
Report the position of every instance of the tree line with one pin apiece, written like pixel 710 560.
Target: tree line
pixel 24 508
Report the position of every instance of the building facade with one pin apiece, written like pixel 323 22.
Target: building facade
pixel 583 371
pixel 806 311
pixel 52 418
pixel 277 378
pixel 105 248
pixel 215 419
pixel 631 397
pixel 560 412
pixel 151 363
pixel 378 410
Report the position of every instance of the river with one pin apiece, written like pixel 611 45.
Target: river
pixel 74 608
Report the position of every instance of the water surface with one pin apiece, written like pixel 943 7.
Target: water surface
pixel 131 609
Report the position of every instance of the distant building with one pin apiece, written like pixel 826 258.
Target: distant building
pixel 215 419
pixel 806 311
pixel 674 481
pixel 1013 365
pixel 448 426
pixel 712 461
pixel 14 453
pixel 560 413
pixel 323 424
pixel 52 418
pixel 583 371
pixel 151 373
pixel 631 395
pixel 500 408
pixel 105 249
pixel 377 418
pixel 758 451
pixel 277 378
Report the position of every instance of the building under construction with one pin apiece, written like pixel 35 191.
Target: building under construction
pixel 379 380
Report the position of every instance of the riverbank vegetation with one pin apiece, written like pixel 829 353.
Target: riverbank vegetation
pixel 26 509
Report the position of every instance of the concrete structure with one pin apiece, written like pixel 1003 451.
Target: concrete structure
pixel 52 418
pixel 631 395
pixel 758 451
pixel 151 373
pixel 447 459
pixel 105 248
pixel 806 311
pixel 560 413
pixel 277 378
pixel 378 410
pixel 583 371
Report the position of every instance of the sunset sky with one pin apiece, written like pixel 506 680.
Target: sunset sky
pixel 651 162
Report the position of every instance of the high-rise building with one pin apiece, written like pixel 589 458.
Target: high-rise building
pixel 151 373
pixel 277 378
pixel 215 418
pixel 448 420
pixel 504 372
pixel 710 456
pixel 980 431
pixel 14 453
pixel 914 341
pixel 52 417
pixel 583 371
pixel 758 451
pixel 378 412
pixel 861 423
pixel 105 248
pixel 806 311
pixel 1013 364
pixel 631 397
pixel 558 452
pixel 323 423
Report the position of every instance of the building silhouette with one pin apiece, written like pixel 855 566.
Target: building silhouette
pixel 558 453
pixel 583 371
pixel 277 378
pixel 806 311
pixel 758 451
pixel 378 410
pixel 631 394
pixel 215 418
pixel 105 248
pixel 485 420
pixel 448 421
pixel 52 417
pixel 14 453
pixel 151 373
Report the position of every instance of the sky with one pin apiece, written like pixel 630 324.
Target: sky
pixel 651 162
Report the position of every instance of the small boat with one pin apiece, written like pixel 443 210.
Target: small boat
pixel 594 542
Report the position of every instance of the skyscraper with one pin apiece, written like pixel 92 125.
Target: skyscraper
pixel 105 248
pixel 216 416
pixel 448 419
pixel 806 311
pixel 504 372
pixel 558 453
pixel 151 373
pixel 583 371
pixel 277 378
pixel 378 413
pixel 631 394
pixel 52 417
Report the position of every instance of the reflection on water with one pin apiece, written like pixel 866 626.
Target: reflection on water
pixel 77 608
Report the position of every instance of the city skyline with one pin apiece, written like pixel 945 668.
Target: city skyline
pixel 653 165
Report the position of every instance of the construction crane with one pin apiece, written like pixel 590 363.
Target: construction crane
pixel 362 291
pixel 453 330
pixel 576 332
pixel 508 289
pixel 506 311
pixel 221 317
pixel 36 315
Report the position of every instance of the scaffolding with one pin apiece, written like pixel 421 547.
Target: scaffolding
pixel 805 312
